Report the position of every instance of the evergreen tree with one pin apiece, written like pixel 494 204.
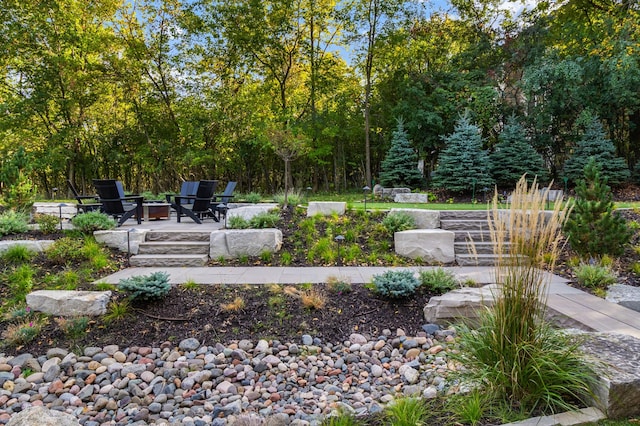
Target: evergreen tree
pixel 593 228
pixel 399 167
pixel 463 161
pixel 513 157
pixel 595 144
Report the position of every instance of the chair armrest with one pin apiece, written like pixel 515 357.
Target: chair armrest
pixel 221 196
pixel 133 197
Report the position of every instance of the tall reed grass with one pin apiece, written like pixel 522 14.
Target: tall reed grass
pixel 515 355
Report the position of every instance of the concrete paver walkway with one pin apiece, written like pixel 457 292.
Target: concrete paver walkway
pixel 581 309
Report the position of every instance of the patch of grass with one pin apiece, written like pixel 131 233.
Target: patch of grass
pixel 407 411
pixel 339 285
pixel 313 299
pixel 23 332
pixel 118 310
pixel 595 276
pixel 73 327
pixel 17 254
pixel 21 282
pixel 190 285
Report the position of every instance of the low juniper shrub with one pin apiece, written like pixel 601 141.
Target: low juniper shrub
pixel 89 222
pixel 398 221
pixel 396 284
pixel 146 287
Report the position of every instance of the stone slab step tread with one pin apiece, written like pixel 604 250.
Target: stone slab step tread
pixel 596 314
pixel 169 260
pixel 178 236
pixel 464 225
pixel 477 260
pixel 466 247
pixel 463 215
pixel 478 236
pixel 174 247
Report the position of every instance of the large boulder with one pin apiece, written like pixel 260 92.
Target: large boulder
pixel 122 239
pixel 430 245
pixel 68 302
pixel 616 357
pixel 388 193
pixel 32 245
pixel 425 219
pixel 464 304
pixel 234 243
pixel 326 208
pixel 248 212
pixel 40 416
pixel 412 197
pixel 625 295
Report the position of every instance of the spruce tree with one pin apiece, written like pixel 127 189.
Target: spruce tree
pixel 595 144
pixel 513 157
pixel 593 228
pixel 399 167
pixel 463 161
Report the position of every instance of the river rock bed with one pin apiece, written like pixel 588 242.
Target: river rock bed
pixel 267 381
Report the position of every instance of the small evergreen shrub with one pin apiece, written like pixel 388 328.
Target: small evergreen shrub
pixel 89 222
pixel 595 276
pixel 438 280
pixel 65 250
pixel 146 287
pixel 264 220
pixel 395 284
pixel 398 221
pixel 12 222
pixel 237 222
pixel 47 223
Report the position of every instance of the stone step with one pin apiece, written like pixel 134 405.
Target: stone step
pixel 477 247
pixel 169 260
pixel 464 225
pixel 178 236
pixel 174 247
pixel 463 215
pixel 474 235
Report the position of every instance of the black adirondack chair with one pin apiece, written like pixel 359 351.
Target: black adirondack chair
pixel 188 188
pixel 201 206
pixel 86 203
pixel 121 208
pixel 220 201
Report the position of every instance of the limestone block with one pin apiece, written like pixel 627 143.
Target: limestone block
pixel 425 219
pixel 33 245
pixel 326 208
pixel 117 238
pixel 68 302
pixel 461 304
pixel 625 295
pixel 233 243
pixel 41 416
pixel 248 212
pixel 389 193
pixel 53 209
pixel 617 358
pixel 431 245
pixel 411 198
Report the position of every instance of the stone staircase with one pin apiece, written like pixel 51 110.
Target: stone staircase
pixel 173 249
pixel 472 244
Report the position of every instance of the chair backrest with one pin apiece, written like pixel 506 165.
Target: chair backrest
pixel 228 192
pixel 109 194
pixel 120 189
pixel 204 194
pixel 188 189
pixel 74 191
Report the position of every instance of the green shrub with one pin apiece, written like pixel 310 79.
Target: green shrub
pixel 21 282
pixel 47 223
pixel 595 276
pixel 293 198
pixel 398 221
pixel 89 222
pixel 339 285
pixel 17 253
pixel 237 222
pixel 253 197
pixel 20 194
pixel 264 220
pixel 396 284
pixel 146 287
pixel 407 412
pixel 12 222
pixel 65 250
pixel 438 280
